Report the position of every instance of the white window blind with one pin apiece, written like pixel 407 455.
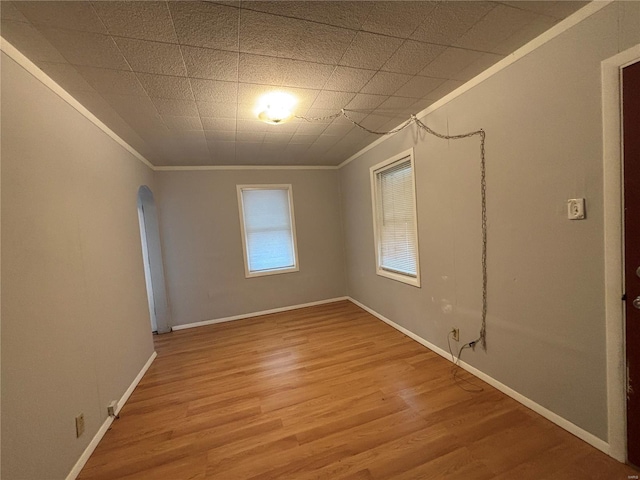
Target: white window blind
pixel 269 237
pixel 395 219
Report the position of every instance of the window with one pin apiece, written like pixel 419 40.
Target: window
pixel 394 219
pixel 268 229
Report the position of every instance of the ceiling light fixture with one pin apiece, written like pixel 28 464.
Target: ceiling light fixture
pixel 275 107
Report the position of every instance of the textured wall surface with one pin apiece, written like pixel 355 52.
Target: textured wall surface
pixel 75 319
pixel 200 228
pixel 546 323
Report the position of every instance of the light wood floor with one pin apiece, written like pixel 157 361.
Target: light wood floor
pixel 326 392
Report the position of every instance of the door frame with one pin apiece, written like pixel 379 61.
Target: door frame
pixel 611 70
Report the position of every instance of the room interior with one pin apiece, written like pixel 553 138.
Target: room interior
pixel 101 99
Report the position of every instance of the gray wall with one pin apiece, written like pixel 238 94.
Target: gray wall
pixel 200 229
pixel 75 320
pixel 546 323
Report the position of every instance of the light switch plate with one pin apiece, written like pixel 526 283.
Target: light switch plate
pixel 575 209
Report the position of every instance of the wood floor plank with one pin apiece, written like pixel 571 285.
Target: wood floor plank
pixel 326 392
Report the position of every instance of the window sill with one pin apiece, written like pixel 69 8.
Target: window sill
pixel 398 277
pixel 275 271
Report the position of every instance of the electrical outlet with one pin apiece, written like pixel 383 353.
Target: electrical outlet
pixel 575 209
pixel 455 333
pixel 79 425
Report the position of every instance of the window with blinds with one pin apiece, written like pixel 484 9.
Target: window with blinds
pixel 268 229
pixel 394 211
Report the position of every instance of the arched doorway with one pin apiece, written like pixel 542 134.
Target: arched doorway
pixel 152 259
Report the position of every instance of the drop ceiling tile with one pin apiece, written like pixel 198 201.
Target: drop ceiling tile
pixel 141 20
pixel 69 15
pixel 332 100
pixel 557 9
pixel 290 127
pixel 211 123
pixel 262 69
pixel 88 49
pixel 398 19
pixel 396 104
pixel 203 24
pixel 119 82
pixel 295 149
pixel 495 27
pixel 139 112
pixel 348 79
pixel 369 50
pixel 182 123
pixel 524 35
pixel 412 57
pixel 250 136
pixel 214 90
pixel 450 20
pixel 190 136
pixel 229 136
pixel 314 153
pixel 385 83
pixel 375 122
pixel 246 111
pixel 340 14
pixel 305 97
pixel 262 33
pixel 450 63
pixel 217 109
pixel 30 42
pixel 303 139
pixel 248 95
pixel 66 76
pixel 248 125
pixel 280 138
pixel 447 87
pixel 338 129
pixel 325 141
pixel 210 64
pixel 8 11
pixel 321 43
pixel 162 86
pixel 418 87
pixel 152 57
pixel 221 148
pixel 265 34
pixel 485 61
pixel 175 107
pixel 366 102
pixel 311 128
pixel 306 74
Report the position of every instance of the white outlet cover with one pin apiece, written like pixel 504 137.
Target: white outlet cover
pixel 575 209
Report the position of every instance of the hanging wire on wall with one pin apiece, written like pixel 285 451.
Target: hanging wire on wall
pixel 482 338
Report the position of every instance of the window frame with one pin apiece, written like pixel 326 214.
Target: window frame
pixel 274 271
pixel 377 215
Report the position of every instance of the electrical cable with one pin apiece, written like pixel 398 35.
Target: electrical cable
pixel 456 367
pixel 482 339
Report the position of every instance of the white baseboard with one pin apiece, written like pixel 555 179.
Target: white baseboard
pixel 527 402
pixel 257 314
pixel 77 468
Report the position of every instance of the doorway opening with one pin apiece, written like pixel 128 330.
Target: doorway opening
pixel 152 261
